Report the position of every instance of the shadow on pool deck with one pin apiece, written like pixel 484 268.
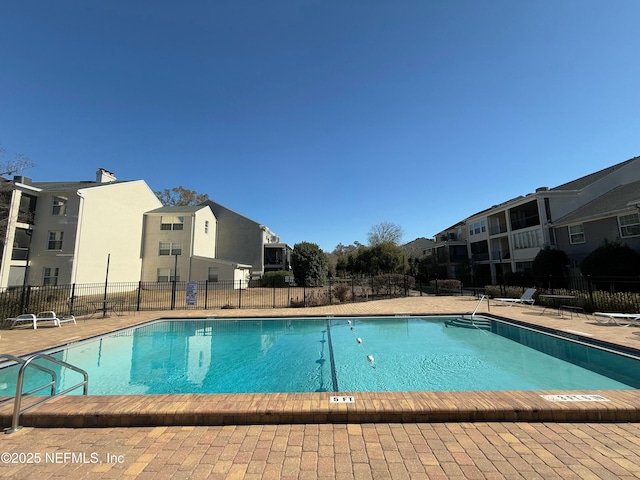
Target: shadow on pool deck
pixel 309 408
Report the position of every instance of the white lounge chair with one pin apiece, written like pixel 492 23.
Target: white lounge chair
pixel 526 298
pixel 25 317
pixel 612 318
pixel 49 315
pixel 41 317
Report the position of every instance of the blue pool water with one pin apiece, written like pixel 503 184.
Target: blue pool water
pixel 312 355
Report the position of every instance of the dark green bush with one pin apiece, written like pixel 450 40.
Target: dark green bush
pixel 275 279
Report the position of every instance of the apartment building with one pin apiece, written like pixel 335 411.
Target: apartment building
pixel 66 232
pixel 248 242
pixel 575 217
pixel 613 216
pixel 179 243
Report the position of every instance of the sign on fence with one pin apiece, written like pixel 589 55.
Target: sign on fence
pixel 192 293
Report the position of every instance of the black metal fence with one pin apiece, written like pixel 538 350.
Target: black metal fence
pixel 102 299
pixel 608 294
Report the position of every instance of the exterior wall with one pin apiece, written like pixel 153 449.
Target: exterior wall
pixel 239 239
pixel 111 223
pixel 205 230
pixel 46 222
pixel 153 235
pixel 197 245
pixel 595 233
pixel 227 271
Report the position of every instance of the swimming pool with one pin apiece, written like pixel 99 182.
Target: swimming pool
pixel 335 355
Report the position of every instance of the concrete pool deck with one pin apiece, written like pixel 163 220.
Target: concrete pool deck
pixel 381 435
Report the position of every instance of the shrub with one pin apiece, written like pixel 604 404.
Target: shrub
pixel 392 284
pixel 447 285
pixel 275 279
pixel 341 291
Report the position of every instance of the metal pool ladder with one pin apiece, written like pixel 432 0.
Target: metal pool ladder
pixel 52 384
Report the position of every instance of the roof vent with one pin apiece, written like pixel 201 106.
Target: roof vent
pixel 542 189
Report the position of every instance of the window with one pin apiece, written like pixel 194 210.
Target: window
pixel 59 206
pixel 167 275
pixel 530 239
pixel 629 225
pixel 206 226
pixel 213 274
pixel 27 210
pixel 55 241
pixel 478 227
pixel 576 234
pixel 50 276
pixel 170 248
pixel 171 223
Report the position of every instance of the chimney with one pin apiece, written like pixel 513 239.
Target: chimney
pixel 105 176
pixel 22 179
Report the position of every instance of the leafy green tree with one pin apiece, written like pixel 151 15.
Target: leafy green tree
pixel 386 257
pixel 180 196
pixel 611 259
pixel 309 264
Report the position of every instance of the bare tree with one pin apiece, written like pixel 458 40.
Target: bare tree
pixel 180 196
pixel 8 168
pixel 11 167
pixel 385 232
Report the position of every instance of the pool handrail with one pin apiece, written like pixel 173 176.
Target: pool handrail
pixel 15 423
pixel 21 361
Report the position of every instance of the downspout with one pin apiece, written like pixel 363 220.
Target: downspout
pixel 76 248
pixel 193 243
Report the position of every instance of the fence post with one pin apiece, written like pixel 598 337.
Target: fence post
pixel 330 299
pixel 590 287
pixel 240 295
pixel 72 299
pixel 139 295
pixel 304 292
pixel 274 296
pixel 173 293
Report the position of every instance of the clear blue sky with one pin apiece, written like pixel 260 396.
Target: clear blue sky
pixel 323 118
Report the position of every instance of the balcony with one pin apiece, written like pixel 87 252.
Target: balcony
pixel 497 229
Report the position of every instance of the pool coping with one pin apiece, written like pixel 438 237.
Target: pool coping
pixel 310 408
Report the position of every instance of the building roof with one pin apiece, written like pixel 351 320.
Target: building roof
pixel 417 247
pixel 69 186
pixel 618 200
pixel 582 182
pixel 178 209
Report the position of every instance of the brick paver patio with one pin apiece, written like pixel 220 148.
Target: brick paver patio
pixel 447 450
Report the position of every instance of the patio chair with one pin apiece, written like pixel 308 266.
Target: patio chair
pixel 25 317
pixel 611 318
pixel 58 320
pixel 526 298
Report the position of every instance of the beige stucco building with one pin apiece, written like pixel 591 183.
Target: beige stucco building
pixel 72 232
pixel 66 232
pixel 180 243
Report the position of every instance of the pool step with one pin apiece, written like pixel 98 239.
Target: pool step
pixel 468 322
